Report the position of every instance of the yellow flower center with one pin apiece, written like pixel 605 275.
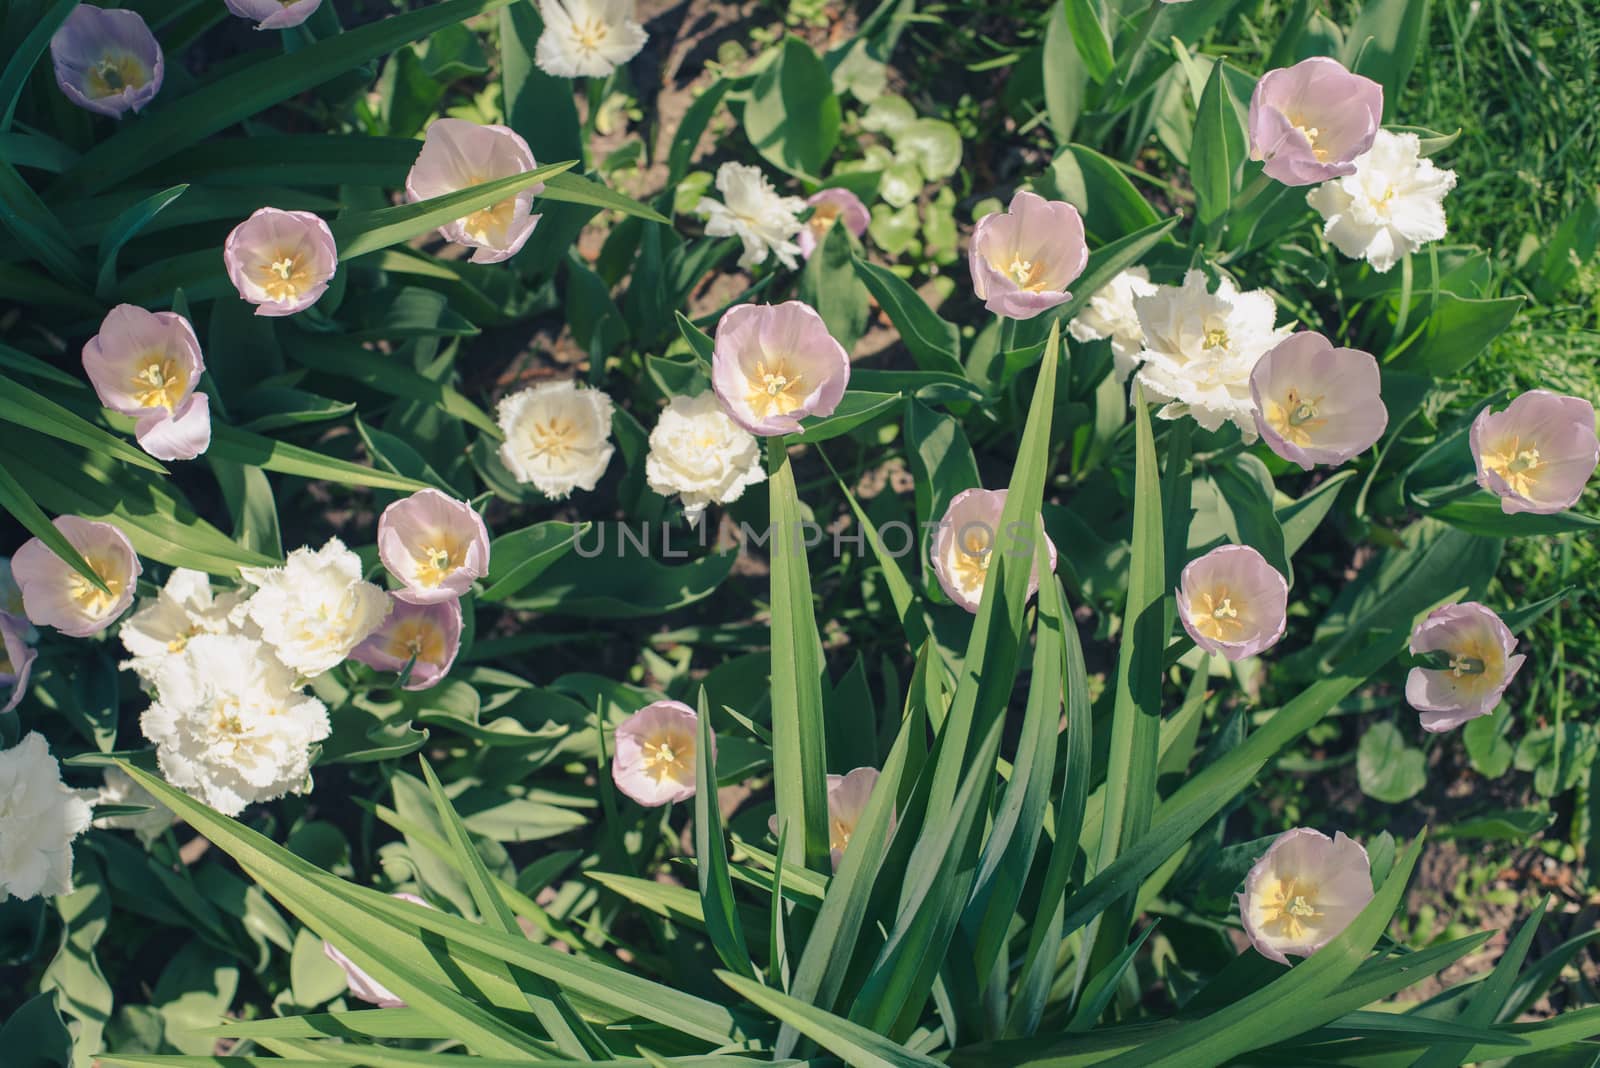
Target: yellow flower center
pixel 774 390
pixel 555 437
pixel 226 717
pixel 839 833
pixel 1025 273
pixel 669 756
pixel 489 225
pixel 1476 664
pixel 1312 134
pixel 91 600
pixel 114 73
pixel 157 383
pixel 436 562
pixel 823 218
pixel 1216 338
pixel 181 642
pixel 1517 466
pixel 590 33
pixel 1286 907
pixel 285 276
pixel 1216 616
pixel 417 637
pixel 1295 417
pixel 971 564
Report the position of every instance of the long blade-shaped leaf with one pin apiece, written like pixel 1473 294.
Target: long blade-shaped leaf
pixel 850 1042
pixel 716 889
pixel 21 405
pixel 1488 996
pixel 270 454
pixel 799 748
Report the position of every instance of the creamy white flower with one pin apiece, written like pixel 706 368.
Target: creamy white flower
pixel 315 609
pixel 1111 314
pixel 588 38
pixel 1391 206
pixel 1200 347
pixel 699 453
pixel 752 211
pixel 558 436
pixel 120 789
pixel 230 726
pixel 162 626
pixel 39 818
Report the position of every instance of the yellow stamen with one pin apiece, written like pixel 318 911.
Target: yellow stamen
pixel 115 73
pixel 839 834
pixel 774 390
pixel 490 225
pixel 436 562
pixel 157 383
pixel 91 600
pixel 1216 616
pixel 972 556
pixel 284 276
pixel 823 218
pixel 555 437
pixel 1517 465
pixel 417 637
pixel 1288 905
pixel 1312 135
pixel 1295 417
pixel 1026 273
pixel 590 33
pixel 1216 337
pixel 669 756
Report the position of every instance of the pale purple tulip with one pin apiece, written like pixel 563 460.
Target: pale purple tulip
pixel 1233 602
pixel 107 61
pixel 281 261
pixel 1538 454
pixel 1303 892
pixel 434 544
pixel 16 661
pixel 274 14
pixel 356 978
pixel 457 155
pixel 1315 404
pixel 55 595
pixel 1309 122
pixel 831 206
pixel 654 757
pixel 426 636
pixel 775 364
pixel 969 535
pixel 847 803
pixel 1022 259
pixel 1481 660
pixel 146 365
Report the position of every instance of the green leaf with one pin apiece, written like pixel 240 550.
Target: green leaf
pixel 1388 769
pixel 603 582
pixel 1246 486
pixel 1066 76
pixel 251 90
pixel 24 407
pixel 1481 513
pixel 35 1037
pixel 799 747
pixel 576 189
pixel 386 374
pixel 829 284
pixel 14 500
pixel 852 1043
pixel 855 409
pixel 517 558
pixel 717 903
pixel 539 106
pixel 1111 206
pixel 1489 996
pixel 1089 36
pixel 270 454
pixel 792 117
pixel 1383 44
pixel 37 230
pixel 1457 330
pixel 934 343
pixel 124 228
pixel 27 54
pixel 1216 153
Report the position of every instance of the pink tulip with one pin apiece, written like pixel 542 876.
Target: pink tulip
pixel 775 364
pixel 1315 404
pixel 356 978
pixel 274 14
pixel 1478 650
pixel 847 803
pixel 434 544
pixel 107 61
pixel 1022 259
pixel 281 261
pixel 16 660
pixel 1538 454
pixel 146 365
pixel 426 636
pixel 831 206
pixel 1233 602
pixel 458 155
pixel 55 595
pixel 654 761
pixel 1303 892
pixel 1309 122
pixel 969 535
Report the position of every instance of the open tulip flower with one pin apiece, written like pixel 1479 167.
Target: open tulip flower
pixel 458 155
pixel 426 636
pixel 106 60
pixel 1479 661
pixel 557 436
pixel 587 38
pixel 146 365
pixel 1022 259
pixel 775 364
pixel 274 14
pixel 829 207
pixel 1309 122
pixel 1316 404
pixel 654 757
pixel 434 544
pixel 1231 601
pixel 1538 454
pixel 968 537
pixel 281 261
pixel 55 595
pixel 1303 892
